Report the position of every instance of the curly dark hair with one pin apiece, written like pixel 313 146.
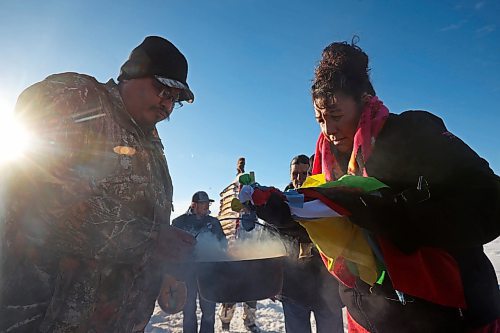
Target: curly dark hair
pixel 343 68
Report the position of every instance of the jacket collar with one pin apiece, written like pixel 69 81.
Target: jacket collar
pixel 123 117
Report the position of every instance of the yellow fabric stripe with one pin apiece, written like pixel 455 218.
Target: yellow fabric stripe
pixel 339 237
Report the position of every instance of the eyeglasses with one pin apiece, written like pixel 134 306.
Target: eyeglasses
pixel 168 93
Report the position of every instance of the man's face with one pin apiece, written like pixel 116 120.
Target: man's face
pixel 201 208
pixel 298 174
pixel 148 101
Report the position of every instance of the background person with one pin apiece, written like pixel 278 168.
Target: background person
pixel 87 232
pixel 308 287
pixel 197 221
pixel 299 170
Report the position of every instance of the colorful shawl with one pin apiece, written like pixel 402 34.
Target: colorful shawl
pixel 342 244
pixel 349 251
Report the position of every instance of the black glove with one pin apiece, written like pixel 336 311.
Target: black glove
pixel 277 213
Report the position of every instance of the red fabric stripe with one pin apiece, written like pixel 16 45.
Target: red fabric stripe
pixel 340 271
pixel 428 273
pixel 261 196
pixel 353 326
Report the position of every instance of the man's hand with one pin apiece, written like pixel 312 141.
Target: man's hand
pixel 175 245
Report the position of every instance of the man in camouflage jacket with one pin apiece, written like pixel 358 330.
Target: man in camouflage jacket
pixel 86 235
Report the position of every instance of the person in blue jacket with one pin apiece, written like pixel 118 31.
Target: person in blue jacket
pixel 196 221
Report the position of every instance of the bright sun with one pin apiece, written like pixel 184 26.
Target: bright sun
pixel 14 138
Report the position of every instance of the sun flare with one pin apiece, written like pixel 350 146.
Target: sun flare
pixel 14 138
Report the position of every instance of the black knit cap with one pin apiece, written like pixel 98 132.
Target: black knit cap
pixel 159 58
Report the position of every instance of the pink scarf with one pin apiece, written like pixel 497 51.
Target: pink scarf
pixel 372 120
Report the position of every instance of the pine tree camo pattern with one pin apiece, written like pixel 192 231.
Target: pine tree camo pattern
pixel 84 212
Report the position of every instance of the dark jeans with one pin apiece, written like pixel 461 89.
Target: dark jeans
pixel 189 320
pixel 297 318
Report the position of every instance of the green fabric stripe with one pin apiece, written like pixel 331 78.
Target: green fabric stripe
pixel 381 278
pixel 367 184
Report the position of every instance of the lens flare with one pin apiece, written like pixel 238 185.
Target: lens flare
pixel 14 138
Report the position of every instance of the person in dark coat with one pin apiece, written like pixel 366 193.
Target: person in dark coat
pixel 443 205
pixel 308 287
pixel 426 229
pixel 85 236
pixel 197 222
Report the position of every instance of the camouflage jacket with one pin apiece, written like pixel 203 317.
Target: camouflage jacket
pixel 84 209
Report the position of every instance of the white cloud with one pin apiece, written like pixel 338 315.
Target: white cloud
pixel 486 29
pixel 450 27
pixel 454 26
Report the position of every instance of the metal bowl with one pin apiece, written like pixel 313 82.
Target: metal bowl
pixel 240 280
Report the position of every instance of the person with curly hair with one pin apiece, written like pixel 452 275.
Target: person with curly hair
pixel 428 230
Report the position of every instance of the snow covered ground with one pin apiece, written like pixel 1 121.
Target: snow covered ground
pixel 269 319
pixel 493 251
pixel 269 313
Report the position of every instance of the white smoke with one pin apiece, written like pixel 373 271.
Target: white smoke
pixel 257 244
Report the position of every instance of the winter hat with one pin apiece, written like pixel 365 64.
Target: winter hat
pixel 159 58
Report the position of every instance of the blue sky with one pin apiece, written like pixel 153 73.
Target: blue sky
pixel 251 63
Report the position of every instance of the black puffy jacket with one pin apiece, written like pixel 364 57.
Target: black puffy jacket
pixel 461 214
